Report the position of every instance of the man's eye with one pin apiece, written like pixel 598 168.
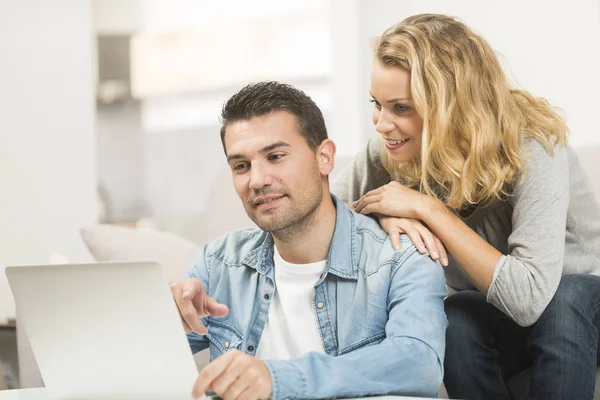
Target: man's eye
pixel 275 157
pixel 239 167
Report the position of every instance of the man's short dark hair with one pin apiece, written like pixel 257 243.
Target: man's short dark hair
pixel 262 98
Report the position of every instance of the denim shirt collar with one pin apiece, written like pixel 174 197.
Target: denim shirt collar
pixel 341 260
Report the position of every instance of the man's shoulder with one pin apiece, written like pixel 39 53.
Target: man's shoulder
pixel 366 224
pixel 235 246
pixel 372 238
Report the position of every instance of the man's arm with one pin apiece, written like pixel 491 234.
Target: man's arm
pixel 408 361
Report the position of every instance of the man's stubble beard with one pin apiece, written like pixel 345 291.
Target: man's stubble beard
pixel 300 217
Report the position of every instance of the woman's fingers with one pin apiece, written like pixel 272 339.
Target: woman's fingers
pixel 395 236
pixel 442 250
pixel 393 228
pixel 364 201
pixel 424 240
pixel 372 208
pixel 371 192
pixel 413 233
pixel 429 240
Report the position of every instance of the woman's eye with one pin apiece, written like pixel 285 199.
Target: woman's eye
pixel 401 108
pixel 376 103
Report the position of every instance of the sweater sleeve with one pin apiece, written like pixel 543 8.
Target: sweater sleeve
pixel 364 173
pixel 525 280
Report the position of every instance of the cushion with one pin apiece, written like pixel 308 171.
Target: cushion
pixel 117 243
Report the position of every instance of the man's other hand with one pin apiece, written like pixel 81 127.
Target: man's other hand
pixel 235 375
pixel 194 303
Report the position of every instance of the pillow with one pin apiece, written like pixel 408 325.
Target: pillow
pixel 117 243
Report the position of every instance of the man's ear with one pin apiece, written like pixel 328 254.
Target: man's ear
pixel 326 156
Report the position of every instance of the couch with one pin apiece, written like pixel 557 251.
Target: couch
pixel 111 243
pixel 3 384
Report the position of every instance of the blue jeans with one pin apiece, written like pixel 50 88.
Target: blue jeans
pixel 484 347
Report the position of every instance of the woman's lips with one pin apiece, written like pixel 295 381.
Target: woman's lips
pixel 390 146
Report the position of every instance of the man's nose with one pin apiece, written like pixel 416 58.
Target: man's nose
pixel 260 177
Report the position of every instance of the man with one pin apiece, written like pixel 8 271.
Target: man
pixel 316 303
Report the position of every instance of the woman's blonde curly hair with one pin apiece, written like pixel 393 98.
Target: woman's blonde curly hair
pixel 474 122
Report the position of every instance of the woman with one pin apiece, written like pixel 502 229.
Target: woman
pixel 467 164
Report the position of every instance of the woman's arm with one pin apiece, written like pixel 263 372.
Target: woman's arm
pixel 522 282
pixel 366 172
pixel 476 257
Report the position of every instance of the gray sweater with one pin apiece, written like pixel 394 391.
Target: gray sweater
pixel 548 227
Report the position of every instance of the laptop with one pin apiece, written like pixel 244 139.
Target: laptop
pixel 104 331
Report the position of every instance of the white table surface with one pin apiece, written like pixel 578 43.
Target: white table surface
pixel 40 394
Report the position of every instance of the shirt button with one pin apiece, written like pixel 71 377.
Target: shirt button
pixel 227 344
pixel 266 297
pixel 320 305
pixel 250 348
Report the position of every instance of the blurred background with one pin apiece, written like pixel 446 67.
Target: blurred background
pixel 109 108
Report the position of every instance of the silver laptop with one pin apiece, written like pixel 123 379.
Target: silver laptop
pixel 104 331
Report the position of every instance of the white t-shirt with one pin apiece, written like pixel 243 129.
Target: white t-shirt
pixel 291 328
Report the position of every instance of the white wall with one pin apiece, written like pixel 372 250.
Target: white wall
pixel 551 47
pixel 347 91
pixel 184 178
pixel 117 17
pixel 47 155
pixel 120 160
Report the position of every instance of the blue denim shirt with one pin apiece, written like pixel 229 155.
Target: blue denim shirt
pixel 380 312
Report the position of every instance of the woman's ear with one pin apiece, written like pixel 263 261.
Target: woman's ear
pixel 326 156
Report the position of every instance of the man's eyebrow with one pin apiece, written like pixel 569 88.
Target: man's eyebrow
pixel 273 146
pixel 265 149
pixel 394 100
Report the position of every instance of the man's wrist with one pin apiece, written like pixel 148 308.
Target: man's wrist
pixel 270 375
pixel 287 379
